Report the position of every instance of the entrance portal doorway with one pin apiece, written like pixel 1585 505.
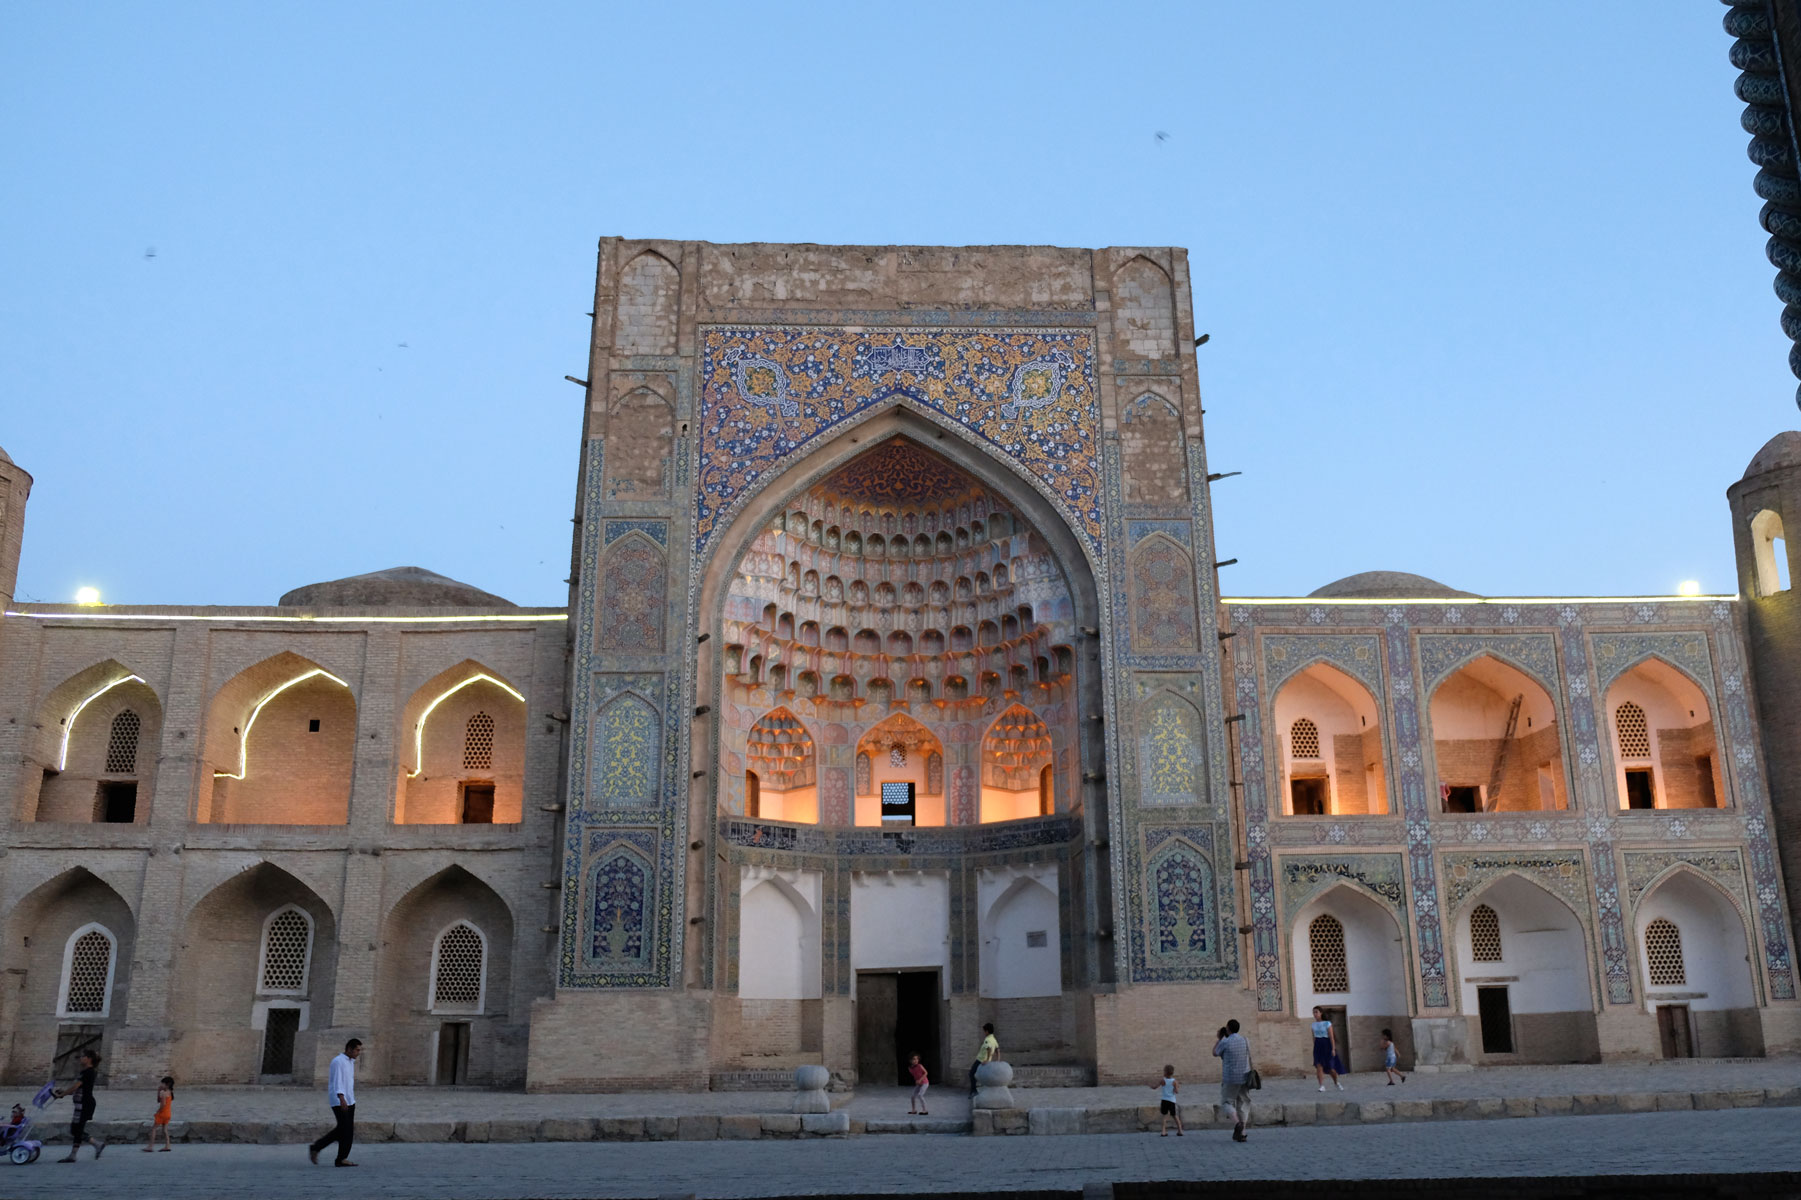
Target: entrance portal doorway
pixel 897 1017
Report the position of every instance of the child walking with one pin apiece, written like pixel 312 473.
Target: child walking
pixel 1169 1089
pixel 916 1107
pixel 1389 1059
pixel 165 1100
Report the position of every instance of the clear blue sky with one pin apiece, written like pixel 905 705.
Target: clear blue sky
pixel 1485 281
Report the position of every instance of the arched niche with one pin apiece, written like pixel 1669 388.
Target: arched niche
pixel 779 753
pixel 41 928
pixel 1020 932
pixel 238 1024
pixel 1707 1004
pixel 279 746
pixel 1016 748
pixel 779 935
pixel 1335 723
pixel 462 750
pixel 99 737
pixel 416 1044
pixel 1665 749
pixel 1769 553
pixel 1526 976
pixel 898 749
pixel 1496 742
pixel 1362 971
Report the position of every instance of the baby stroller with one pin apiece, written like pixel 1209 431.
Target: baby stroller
pixel 16 1140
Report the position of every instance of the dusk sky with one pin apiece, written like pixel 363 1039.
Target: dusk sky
pixel 290 291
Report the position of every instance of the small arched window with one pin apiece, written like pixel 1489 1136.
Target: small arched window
pixel 1663 954
pixel 122 745
pixel 1047 793
pixel 459 962
pixel 1769 551
pixel 1303 739
pixel 1325 942
pixel 753 794
pixel 478 743
pixel 1485 934
pixel 88 958
pixel 287 952
pixel 1635 733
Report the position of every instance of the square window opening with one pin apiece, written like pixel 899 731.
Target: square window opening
pixel 477 802
pixel 1640 791
pixel 312 726
pixel 1461 798
pixel 116 802
pixel 1307 797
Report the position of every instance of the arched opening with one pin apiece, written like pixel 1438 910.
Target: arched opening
pixel 444 987
pixel 1496 742
pixel 106 744
pixel 280 747
pixel 1016 755
pixel 1527 982
pixel 1664 749
pixel 781 779
pixel 892 763
pixel 1350 961
pixel 780 982
pixel 69 943
pixel 1695 962
pixel 1330 732
pixel 253 981
pixel 1769 550
pixel 464 751
pixel 1021 942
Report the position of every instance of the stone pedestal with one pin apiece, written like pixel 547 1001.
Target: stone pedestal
pixel 993 1082
pixel 809 1090
pixel 1441 1042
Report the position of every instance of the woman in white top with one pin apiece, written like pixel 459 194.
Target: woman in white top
pixel 1325 1051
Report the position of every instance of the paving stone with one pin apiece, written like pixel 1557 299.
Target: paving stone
pixel 1120 1120
pixel 373 1131
pixel 1412 1110
pixel 1338 1112
pixel 1519 1106
pixel 1555 1106
pixel 833 1124
pixel 619 1129
pixel 698 1128
pixel 1634 1102
pixel 1748 1098
pixel 1590 1105
pixel 1781 1097
pixel 661 1129
pixel 1674 1101
pixel 473 1131
pixel 981 1123
pixel 1450 1110
pixel 740 1128
pixel 1709 1100
pixel 565 1129
pixel 780 1124
pixel 512 1131
pixel 1299 1114
pixel 1372 1111
pixel 208 1131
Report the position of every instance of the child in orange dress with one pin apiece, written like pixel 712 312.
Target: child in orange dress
pixel 165 1100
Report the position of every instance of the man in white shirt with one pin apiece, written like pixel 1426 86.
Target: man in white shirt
pixel 340 1089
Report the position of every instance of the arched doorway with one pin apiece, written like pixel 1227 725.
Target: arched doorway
pixel 69 946
pixel 1527 979
pixel 1349 959
pixel 1695 964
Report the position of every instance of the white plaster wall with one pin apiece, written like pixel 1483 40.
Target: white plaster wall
pixel 778 935
pixel 1713 945
pixel 1541 944
pixel 1373 956
pixel 899 920
pixel 1014 902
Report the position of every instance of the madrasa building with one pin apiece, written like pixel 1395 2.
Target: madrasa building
pixel 895 694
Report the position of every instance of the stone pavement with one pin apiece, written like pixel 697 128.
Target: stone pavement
pixel 1660 1144
pixel 283 1114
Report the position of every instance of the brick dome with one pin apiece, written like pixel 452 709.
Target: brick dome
pixel 396 587
pixel 1387 585
pixel 1783 450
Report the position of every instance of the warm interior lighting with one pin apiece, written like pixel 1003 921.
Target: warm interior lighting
pixel 62 758
pixel 87 595
pixel 244 741
pixel 1688 587
pixel 419 729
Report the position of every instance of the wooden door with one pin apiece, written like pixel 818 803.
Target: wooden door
pixel 1673 1031
pixel 878 997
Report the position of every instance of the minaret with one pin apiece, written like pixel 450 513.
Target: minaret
pixel 15 486
pixel 1765 502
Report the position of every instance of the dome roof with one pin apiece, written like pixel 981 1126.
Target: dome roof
pixel 4 456
pixel 396 587
pixel 1386 585
pixel 1783 450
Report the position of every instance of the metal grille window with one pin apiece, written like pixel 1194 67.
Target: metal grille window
pixel 1325 939
pixel 457 982
pixel 286 945
pixel 1635 734
pixel 90 965
pixel 1663 954
pixel 478 743
pixel 1485 934
pixel 122 746
pixel 1303 739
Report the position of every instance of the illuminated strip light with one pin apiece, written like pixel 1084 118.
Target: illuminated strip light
pixel 242 618
pixel 244 741
pixel 419 729
pixel 1466 601
pixel 62 758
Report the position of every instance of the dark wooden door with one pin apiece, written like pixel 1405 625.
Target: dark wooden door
pixel 1673 1031
pixel 1496 1015
pixel 878 997
pixel 453 1052
pixel 279 1027
pixel 1341 1030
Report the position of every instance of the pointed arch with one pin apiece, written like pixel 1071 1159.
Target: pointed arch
pixel 90 957
pixel 286 958
pixel 1155 447
pixel 1327 735
pixel 1688 927
pixel 1496 737
pixel 1769 553
pixel 1161 574
pixel 286 709
pixel 618 907
pixel 1373 971
pixel 1660 725
pixel 634 590
pixel 1183 919
pixel 97 740
pixel 1021 940
pixel 782 755
pixel 628 753
pixel 640 448
pixel 779 936
pixel 649 299
pixel 1171 758
pixel 1015 748
pixel 463 750
pixel 1144 311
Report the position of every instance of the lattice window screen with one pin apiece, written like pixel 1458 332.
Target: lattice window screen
pixel 1485 934
pixel 478 743
pixel 285 950
pixel 88 968
pixel 1325 938
pixel 459 979
pixel 122 746
pixel 1663 953
pixel 1635 734
pixel 897 755
pixel 1303 739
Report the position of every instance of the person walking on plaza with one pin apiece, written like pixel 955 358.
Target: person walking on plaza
pixel 165 1101
pixel 989 1051
pixel 1236 1078
pixel 340 1089
pixel 916 1106
pixel 1390 1061
pixel 84 1107
pixel 1325 1051
pixel 1168 1089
